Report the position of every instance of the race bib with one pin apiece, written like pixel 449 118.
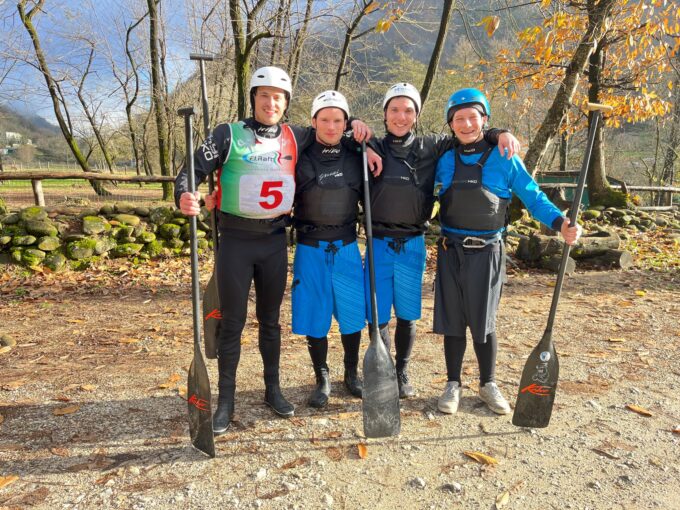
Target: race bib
pixel 264 196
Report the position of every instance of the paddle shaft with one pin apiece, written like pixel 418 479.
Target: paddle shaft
pixel 369 243
pixel 573 215
pixel 206 133
pixel 195 291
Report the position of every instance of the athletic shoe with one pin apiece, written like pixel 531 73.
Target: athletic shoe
pixel 493 398
pixel 448 402
pixel 406 390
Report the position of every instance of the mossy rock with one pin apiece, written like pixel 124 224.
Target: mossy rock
pixel 74 236
pixel 177 213
pixel 16 254
pixel 203 245
pixel 34 213
pixel 626 219
pixel 24 240
pixel 204 226
pixel 617 213
pixel 186 233
pixel 48 243
pixel 139 229
pixel 32 257
pixel 5 241
pixel 107 210
pixel 3 206
pixel 127 219
pixel 55 261
pixel 93 225
pixel 180 221
pixel 11 219
pixel 123 207
pixel 175 244
pixel 161 215
pixel 127 239
pixel 13 230
pixel 41 228
pixel 88 212
pixel 661 222
pixel 154 248
pixel 146 237
pixel 204 215
pixel 591 214
pixel 103 245
pixel 169 231
pixel 81 250
pixel 142 211
pixel 126 250
pixel 152 227
pixel 124 232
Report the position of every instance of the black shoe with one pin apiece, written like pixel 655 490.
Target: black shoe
pixel 319 397
pixel 275 399
pixel 405 388
pixel 353 383
pixel 222 417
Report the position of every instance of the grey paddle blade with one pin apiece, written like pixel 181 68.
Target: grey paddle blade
pixel 211 318
pixel 380 397
pixel 538 386
pixel 200 413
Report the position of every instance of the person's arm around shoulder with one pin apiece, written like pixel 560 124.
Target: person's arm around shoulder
pixel 207 159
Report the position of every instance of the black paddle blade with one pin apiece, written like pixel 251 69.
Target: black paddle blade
pixel 200 413
pixel 211 318
pixel 380 397
pixel 538 386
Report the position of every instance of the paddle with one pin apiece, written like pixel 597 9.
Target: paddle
pixel 380 397
pixel 198 383
pixel 539 379
pixel 211 299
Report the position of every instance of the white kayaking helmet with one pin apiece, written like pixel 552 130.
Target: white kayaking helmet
pixel 271 76
pixel 330 99
pixel 403 90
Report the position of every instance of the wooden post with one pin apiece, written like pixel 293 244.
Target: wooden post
pixel 38 192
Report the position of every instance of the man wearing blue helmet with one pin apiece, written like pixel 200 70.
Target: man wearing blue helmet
pixel 402 200
pixel 475 186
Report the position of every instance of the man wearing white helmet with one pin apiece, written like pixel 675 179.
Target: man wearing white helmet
pixel 402 200
pixel 327 271
pixel 255 162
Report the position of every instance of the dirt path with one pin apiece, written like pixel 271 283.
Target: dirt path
pixel 91 414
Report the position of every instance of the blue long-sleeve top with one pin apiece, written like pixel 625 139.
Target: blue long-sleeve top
pixel 502 177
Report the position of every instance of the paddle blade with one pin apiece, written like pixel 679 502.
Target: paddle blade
pixel 380 397
pixel 200 413
pixel 538 386
pixel 211 318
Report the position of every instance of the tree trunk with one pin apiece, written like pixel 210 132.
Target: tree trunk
pixel 552 263
pixel 536 247
pixel 564 152
pixel 157 94
pixel 437 51
pixel 53 89
pixel 668 172
pixel 298 43
pixel 344 53
pixel 562 101
pixel 620 259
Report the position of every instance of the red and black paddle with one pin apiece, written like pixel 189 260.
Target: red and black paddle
pixel 380 396
pixel 198 382
pixel 211 299
pixel 538 385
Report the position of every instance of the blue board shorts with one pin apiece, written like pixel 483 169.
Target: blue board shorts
pixel 399 268
pixel 327 282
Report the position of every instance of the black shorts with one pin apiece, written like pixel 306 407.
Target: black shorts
pixel 468 289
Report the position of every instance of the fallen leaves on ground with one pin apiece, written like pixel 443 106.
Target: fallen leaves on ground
pixel 502 499
pixel 676 429
pixel 6 480
pixel 363 450
pixel 335 453
pixel 61 411
pixel 300 461
pixel 482 458
pixel 640 410
pixel 171 382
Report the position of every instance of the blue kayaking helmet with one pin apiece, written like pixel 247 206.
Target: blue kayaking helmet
pixel 465 98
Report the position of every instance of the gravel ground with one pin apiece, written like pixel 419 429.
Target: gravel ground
pixel 92 412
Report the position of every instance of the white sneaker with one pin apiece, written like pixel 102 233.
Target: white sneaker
pixel 448 402
pixel 493 398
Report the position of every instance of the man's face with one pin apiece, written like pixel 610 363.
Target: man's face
pixel 467 124
pixel 329 124
pixel 270 103
pixel 400 116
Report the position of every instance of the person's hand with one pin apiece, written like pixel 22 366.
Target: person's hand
pixel 508 145
pixel 374 162
pixel 189 204
pixel 362 132
pixel 210 200
pixel 570 234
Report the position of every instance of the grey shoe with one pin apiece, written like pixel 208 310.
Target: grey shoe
pixel 493 398
pixel 449 400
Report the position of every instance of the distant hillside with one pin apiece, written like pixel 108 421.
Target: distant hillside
pixel 47 137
